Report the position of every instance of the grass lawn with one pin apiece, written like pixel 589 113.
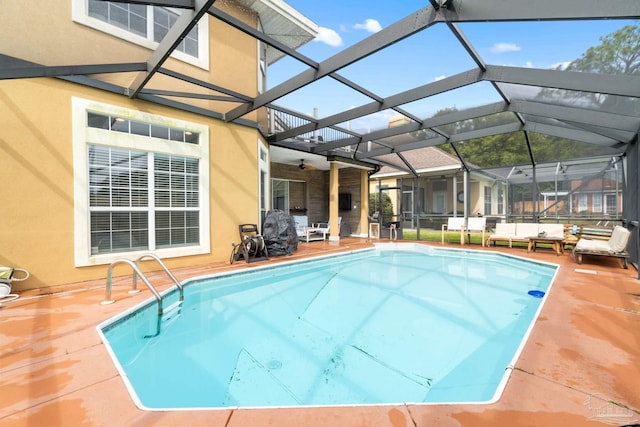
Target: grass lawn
pixel 430 235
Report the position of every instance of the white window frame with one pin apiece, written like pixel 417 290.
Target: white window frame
pixel 264 200
pixel 262 62
pixel 80 14
pixel 596 202
pixel 83 136
pixel 487 200
pixel 582 202
pixel 610 208
pixel 440 201
pixel 285 182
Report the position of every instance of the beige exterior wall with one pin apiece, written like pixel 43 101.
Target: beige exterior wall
pixel 36 136
pixel 37 175
pixel 38 30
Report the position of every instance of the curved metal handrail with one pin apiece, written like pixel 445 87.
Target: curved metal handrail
pixel 137 271
pixel 164 267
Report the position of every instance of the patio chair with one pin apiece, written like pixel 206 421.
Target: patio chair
pixel 302 223
pixel 476 225
pixel 615 247
pixel 455 224
pixel 306 232
pixel 325 227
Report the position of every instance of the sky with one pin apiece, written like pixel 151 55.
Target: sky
pixel 428 56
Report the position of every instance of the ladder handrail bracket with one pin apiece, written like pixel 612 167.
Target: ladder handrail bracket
pixel 136 269
pixel 164 267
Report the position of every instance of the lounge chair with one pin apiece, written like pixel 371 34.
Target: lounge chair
pixel 615 247
pixel 6 277
pixel 7 274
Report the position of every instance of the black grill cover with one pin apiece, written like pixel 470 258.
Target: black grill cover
pixel 279 233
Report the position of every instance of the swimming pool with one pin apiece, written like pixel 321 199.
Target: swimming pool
pixel 399 323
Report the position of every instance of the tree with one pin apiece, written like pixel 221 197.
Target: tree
pixel 385 208
pixel 618 53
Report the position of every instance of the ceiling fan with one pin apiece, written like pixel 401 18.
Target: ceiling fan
pixel 303 166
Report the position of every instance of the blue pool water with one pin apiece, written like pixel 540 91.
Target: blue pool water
pixel 409 323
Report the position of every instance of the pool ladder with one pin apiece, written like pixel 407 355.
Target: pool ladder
pixel 135 265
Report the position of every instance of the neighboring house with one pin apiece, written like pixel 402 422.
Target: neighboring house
pixel 90 176
pixel 438 190
pixel 596 197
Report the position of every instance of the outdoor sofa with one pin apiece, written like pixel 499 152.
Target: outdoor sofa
pixel 523 231
pixel 615 247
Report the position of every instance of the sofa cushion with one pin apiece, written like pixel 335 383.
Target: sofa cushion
pixel 593 245
pixel 526 229
pixel 619 239
pixel 505 229
pixel 552 230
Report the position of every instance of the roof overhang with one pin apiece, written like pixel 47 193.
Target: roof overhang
pixel 349 162
pixel 283 23
pixel 425 171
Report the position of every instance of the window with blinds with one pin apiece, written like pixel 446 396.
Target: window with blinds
pixel 176 183
pixel 141 184
pixel 144 25
pixel 134 18
pixel 132 209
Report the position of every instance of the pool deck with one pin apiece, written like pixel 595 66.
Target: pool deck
pixel 580 366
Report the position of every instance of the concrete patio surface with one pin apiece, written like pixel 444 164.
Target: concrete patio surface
pixel 580 366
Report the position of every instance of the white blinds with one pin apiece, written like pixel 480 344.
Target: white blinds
pixel 123 215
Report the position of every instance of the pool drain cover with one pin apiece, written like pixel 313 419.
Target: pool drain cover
pixel 274 364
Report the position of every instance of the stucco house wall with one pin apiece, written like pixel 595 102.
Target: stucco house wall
pixel 39 220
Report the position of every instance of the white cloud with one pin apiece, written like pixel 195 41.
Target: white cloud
pixel 505 47
pixel 528 64
pixel 328 36
pixel 439 78
pixel 370 25
pixel 560 65
pixel 375 121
